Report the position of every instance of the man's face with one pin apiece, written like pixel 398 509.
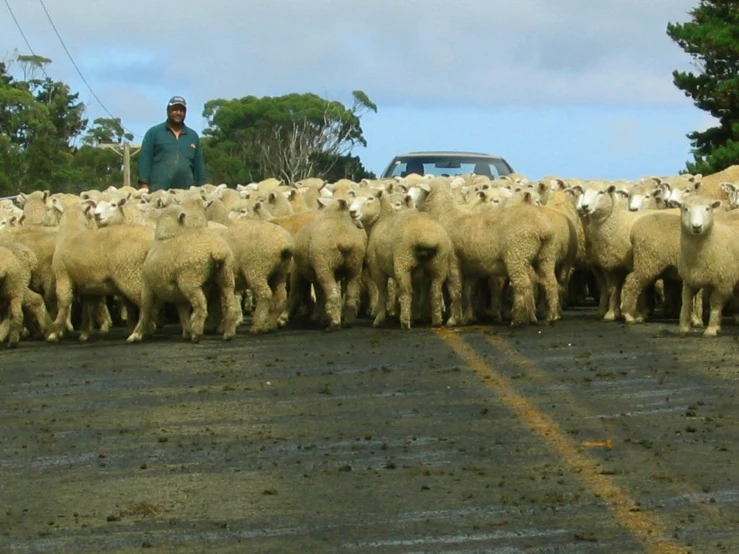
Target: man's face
pixel 176 113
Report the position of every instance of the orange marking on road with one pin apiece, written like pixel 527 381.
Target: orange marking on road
pixel 647 528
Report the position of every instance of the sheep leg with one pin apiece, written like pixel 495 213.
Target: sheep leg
pixel 612 289
pixel 34 303
pixel 279 301
pixel 226 283
pixel 4 328
pixel 263 300
pixel 524 311
pixel 146 316
pixel 496 285
pixel 88 318
pixel 468 308
pixel 718 299
pixel 64 298
pixel 454 290
pixel 15 314
pixel 632 291
pixel 381 284
pixel 686 308
pixel 331 292
pixel 545 272
pixel 600 282
pixel 199 304
pixel 352 298
pixel 697 317
pixel 405 297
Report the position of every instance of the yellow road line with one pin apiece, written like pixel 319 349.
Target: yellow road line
pixel 645 527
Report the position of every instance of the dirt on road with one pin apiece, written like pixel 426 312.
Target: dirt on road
pixel 583 437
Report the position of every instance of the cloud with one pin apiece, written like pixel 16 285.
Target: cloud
pixel 417 52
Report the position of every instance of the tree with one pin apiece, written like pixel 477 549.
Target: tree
pixel 711 37
pixel 291 137
pixel 106 130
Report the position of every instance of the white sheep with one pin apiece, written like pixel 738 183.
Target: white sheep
pixel 182 263
pixel 17 264
pixel 96 263
pixel 608 227
pixel 407 246
pixel 709 259
pixel 328 251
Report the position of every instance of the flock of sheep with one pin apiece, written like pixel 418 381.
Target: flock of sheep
pixel 442 250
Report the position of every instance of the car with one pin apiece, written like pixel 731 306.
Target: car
pixel 447 164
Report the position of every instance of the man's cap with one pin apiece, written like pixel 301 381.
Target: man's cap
pixel 177 101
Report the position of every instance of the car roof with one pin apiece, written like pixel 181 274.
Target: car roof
pixel 449 153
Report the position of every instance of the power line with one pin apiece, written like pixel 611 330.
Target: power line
pixel 25 39
pixel 69 55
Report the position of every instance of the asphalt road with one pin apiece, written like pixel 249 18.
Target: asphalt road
pixel 584 437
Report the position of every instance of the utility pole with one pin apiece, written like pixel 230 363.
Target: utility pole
pixel 126 150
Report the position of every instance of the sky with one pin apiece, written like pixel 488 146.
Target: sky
pixel 573 88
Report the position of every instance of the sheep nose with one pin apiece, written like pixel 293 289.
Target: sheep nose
pixel 697 229
pixel 353 213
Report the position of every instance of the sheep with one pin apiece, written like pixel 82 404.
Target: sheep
pixel 17 264
pixel 329 250
pixel 516 242
pixel 182 262
pixel 655 240
pixel 262 255
pixel 608 228
pixel 124 211
pixel 96 263
pixel 709 259
pixel 404 245
pixel 37 208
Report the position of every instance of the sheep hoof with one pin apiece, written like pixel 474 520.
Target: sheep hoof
pixel 13 344
pixel 697 323
pixel 52 337
pixel 683 331
pixel 710 332
pixel 84 337
pixel 405 325
pixel 610 316
pixel 195 339
pixel 134 337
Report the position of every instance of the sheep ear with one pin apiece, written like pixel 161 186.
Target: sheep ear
pixel 207 203
pixel 181 217
pixel 727 187
pixel 46 194
pixel 21 198
pixel 323 202
pixel 716 205
pixel 292 195
pixel 675 204
pixel 611 189
pixel 342 204
pixel 379 193
pixel 409 202
pixel 272 197
pixel 424 187
pixel 122 201
pixel 352 194
pixel 542 187
pixel 159 203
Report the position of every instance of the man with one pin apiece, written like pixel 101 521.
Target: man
pixel 171 156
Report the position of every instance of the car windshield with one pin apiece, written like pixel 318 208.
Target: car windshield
pixel 448 166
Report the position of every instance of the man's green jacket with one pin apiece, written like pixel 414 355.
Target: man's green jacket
pixel 167 162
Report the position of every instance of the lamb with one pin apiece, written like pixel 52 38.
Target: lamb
pixel 37 208
pixel 124 211
pixel 405 246
pixel 608 229
pixel 329 250
pixel 655 240
pixel 262 255
pixel 96 263
pixel 515 241
pixel 709 259
pixel 181 264
pixel 17 264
